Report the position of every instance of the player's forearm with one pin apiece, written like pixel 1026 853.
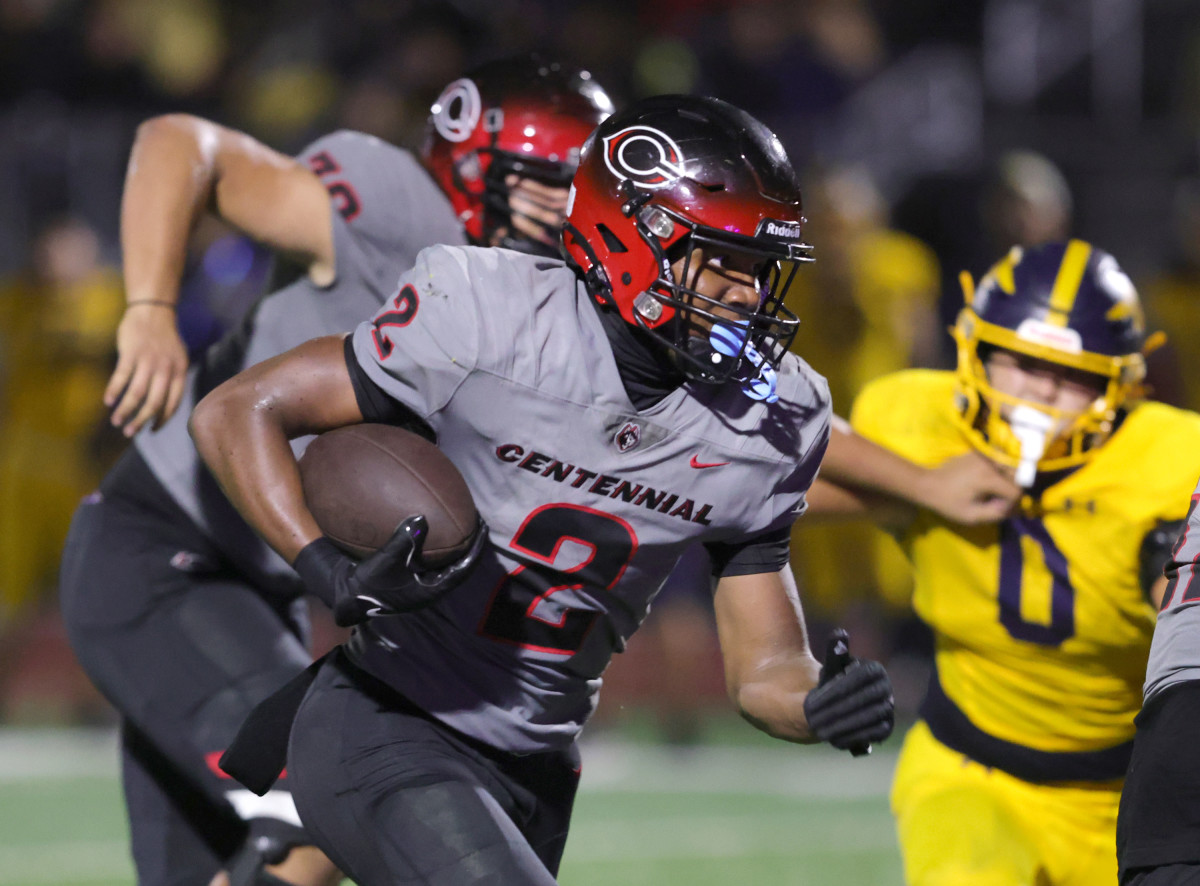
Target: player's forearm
pixel 168 183
pixel 242 431
pixel 773 700
pixel 764 646
pixel 861 465
pixel 829 501
pixel 183 166
pixel 244 442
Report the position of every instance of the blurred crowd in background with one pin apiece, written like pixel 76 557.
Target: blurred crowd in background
pixel 930 135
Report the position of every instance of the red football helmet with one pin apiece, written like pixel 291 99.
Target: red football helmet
pixel 521 115
pixel 664 177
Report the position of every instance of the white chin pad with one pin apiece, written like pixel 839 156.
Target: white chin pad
pixel 1030 427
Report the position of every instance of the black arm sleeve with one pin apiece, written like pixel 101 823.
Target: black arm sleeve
pixel 374 403
pixel 1156 551
pixel 763 553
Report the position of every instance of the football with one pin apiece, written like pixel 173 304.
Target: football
pixel 362 480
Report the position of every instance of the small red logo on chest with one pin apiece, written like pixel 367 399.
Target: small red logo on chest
pixel 628 437
pixel 695 463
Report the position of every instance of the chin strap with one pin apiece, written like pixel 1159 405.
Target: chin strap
pixel 761 381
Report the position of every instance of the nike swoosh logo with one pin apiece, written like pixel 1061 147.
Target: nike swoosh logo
pixel 706 464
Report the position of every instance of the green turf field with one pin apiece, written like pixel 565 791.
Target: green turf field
pixel 763 813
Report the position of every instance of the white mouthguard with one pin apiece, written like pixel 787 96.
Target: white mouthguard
pixel 1031 427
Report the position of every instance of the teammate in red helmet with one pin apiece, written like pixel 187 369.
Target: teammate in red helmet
pixel 511 123
pixel 176 609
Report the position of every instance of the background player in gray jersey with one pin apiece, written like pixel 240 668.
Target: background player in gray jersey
pixel 1158 828
pixel 610 413
pixel 175 608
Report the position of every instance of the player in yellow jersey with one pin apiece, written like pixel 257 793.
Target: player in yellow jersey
pixel 1042 623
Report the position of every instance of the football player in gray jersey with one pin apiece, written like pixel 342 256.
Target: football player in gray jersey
pixel 1158 827
pixel 607 412
pixel 176 610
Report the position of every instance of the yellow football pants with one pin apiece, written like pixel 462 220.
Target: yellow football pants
pixel 963 824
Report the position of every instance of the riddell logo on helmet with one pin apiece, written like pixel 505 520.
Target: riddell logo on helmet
pixel 784 230
pixel 456 112
pixel 644 155
pixel 1061 338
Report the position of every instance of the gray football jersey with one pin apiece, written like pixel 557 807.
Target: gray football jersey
pixel 589 503
pixel 385 209
pixel 1175 648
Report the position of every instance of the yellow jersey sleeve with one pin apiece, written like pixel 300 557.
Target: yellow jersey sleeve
pixel 911 413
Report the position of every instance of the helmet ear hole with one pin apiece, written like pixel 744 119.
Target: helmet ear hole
pixel 611 241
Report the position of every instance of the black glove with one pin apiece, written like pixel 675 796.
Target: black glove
pixel 390 581
pixel 852 705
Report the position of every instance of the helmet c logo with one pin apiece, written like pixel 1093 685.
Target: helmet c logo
pixel 645 155
pixel 456 111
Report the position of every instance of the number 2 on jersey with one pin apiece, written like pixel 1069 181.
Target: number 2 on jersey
pixel 1012 580
pixel 522 611
pixel 404 308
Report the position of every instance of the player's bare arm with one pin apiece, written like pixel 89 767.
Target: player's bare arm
pixel 242 429
pixel 833 501
pixel 861 478
pixel 776 683
pixel 1157 591
pixel 179 168
pixel 967 485
pixel 769 667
